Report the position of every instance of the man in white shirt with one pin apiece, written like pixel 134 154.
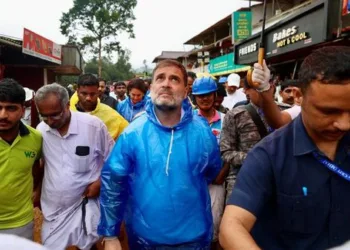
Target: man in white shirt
pixel 74 150
pixel 119 92
pixel 234 94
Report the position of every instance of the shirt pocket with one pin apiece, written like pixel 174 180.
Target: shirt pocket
pixel 303 214
pixel 81 164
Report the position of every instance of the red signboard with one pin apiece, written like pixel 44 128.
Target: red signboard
pixel 346 7
pixel 38 46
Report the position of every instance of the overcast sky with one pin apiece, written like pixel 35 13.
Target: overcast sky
pixel 159 25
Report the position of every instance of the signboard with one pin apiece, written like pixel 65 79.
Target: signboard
pixel 203 57
pixel 300 31
pixel 223 65
pixel 38 46
pixel 241 25
pixel 346 7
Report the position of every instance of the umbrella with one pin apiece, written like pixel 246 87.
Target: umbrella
pixel 261 50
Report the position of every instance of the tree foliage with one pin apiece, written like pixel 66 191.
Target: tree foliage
pixel 66 80
pixel 120 70
pixel 94 25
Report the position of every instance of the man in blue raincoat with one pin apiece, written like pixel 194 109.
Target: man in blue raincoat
pixel 157 176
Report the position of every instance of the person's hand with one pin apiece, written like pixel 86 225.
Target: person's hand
pixel 112 244
pixel 93 190
pixel 261 75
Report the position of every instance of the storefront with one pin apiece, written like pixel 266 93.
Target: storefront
pixel 35 68
pixel 289 41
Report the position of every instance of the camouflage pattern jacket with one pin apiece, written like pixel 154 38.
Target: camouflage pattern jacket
pixel 239 134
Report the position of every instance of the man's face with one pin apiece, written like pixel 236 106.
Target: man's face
pixel 218 101
pixel 88 96
pixel 101 88
pixel 205 102
pixel 52 113
pixel 287 95
pixel 231 89
pixel 326 111
pixel 136 95
pixel 10 115
pixel 120 90
pixel 168 89
pixel 190 81
pixel 253 96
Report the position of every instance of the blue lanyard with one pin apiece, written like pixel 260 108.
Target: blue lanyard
pixel 331 166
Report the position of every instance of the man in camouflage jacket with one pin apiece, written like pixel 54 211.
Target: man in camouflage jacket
pixel 239 134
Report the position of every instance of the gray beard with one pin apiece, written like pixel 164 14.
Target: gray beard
pixel 165 107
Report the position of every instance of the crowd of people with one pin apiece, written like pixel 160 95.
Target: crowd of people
pixel 181 162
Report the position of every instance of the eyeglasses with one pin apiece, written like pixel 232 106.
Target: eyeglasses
pixel 53 117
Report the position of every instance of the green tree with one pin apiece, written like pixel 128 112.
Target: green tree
pixel 94 25
pixel 121 70
pixel 123 67
pixel 66 80
pixel 92 66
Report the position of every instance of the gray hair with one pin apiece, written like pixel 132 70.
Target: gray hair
pixel 55 89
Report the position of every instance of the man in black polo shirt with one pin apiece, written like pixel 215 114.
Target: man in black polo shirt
pixel 292 191
pixel 104 98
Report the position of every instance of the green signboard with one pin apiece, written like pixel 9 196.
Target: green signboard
pixel 241 25
pixel 224 65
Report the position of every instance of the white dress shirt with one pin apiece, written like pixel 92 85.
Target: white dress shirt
pixel 72 162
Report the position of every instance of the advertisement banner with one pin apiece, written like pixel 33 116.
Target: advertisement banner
pixel 241 25
pixel 41 47
pixel 346 7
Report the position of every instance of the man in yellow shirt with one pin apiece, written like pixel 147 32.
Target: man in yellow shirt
pixel 20 150
pixel 85 99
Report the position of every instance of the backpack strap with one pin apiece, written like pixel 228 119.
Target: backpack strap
pixel 257 120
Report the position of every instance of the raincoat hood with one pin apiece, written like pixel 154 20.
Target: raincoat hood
pixel 137 105
pixel 129 110
pixel 186 117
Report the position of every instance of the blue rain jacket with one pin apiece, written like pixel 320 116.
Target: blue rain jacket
pixel 158 178
pixel 128 110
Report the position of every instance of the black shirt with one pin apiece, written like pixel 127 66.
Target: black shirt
pixel 110 101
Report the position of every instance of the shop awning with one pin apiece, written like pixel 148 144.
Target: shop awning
pixel 11 41
pixel 224 65
pixel 242 69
